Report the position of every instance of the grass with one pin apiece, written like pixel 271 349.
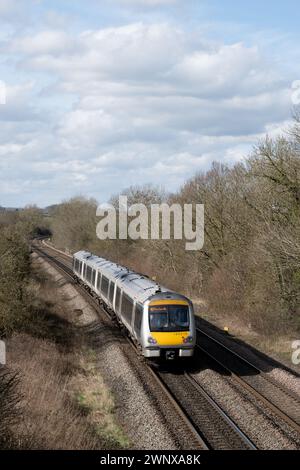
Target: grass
pixel 61 399
pixel 97 402
pixel 277 344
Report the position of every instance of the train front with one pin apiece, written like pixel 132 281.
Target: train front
pixel 169 331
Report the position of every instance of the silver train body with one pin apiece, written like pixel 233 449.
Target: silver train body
pixel 159 321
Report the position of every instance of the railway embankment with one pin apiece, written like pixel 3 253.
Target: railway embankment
pixel 59 398
pixel 119 401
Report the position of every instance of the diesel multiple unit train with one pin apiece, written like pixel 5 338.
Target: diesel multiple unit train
pixel 159 321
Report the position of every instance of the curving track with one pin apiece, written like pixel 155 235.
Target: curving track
pixel 278 399
pixel 208 425
pixel 63 263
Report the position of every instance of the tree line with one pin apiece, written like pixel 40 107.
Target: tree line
pixel 249 266
pixel 16 230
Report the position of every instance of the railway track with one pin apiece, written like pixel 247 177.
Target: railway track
pixel 278 399
pixel 217 429
pixel 65 267
pixel 209 426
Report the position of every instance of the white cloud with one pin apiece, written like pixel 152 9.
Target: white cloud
pixel 44 42
pixel 146 99
pixel 148 3
pixel 7 7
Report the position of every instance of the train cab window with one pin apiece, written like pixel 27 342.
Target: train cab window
pixel 104 286
pixel 127 307
pixel 80 267
pixel 76 265
pixel 169 318
pixel 138 317
pixel 111 291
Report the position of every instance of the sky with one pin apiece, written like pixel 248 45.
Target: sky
pixel 105 94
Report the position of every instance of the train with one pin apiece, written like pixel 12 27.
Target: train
pixel 159 321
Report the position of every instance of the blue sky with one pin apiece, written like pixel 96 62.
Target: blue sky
pixel 104 94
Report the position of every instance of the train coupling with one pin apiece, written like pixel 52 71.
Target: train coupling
pixel 170 355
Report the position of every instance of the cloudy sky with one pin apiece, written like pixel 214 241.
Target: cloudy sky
pixel 103 94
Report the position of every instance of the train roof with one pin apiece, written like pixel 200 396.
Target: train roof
pixel 136 285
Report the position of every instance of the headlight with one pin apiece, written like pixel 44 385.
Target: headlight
pixel 188 339
pixel 152 340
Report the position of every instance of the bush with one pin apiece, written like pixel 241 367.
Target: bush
pixel 9 406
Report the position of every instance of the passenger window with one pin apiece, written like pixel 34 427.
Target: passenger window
pixel 111 291
pixel 127 307
pixel 99 281
pixel 118 299
pixel 104 286
pixel 138 317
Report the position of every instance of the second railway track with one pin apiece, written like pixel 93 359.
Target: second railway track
pixel 207 422
pixel 280 401
pixel 64 265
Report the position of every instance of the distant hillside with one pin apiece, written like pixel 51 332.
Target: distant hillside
pixel 49 210
pixel 9 209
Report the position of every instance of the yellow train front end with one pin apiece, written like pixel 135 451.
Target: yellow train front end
pixel 169 332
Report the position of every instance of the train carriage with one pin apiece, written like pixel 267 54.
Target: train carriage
pixel 160 321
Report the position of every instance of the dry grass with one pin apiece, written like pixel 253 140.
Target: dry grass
pixel 51 416
pixel 64 402
pixel 276 343
pixel 9 405
pixel 49 420
pixel 95 399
